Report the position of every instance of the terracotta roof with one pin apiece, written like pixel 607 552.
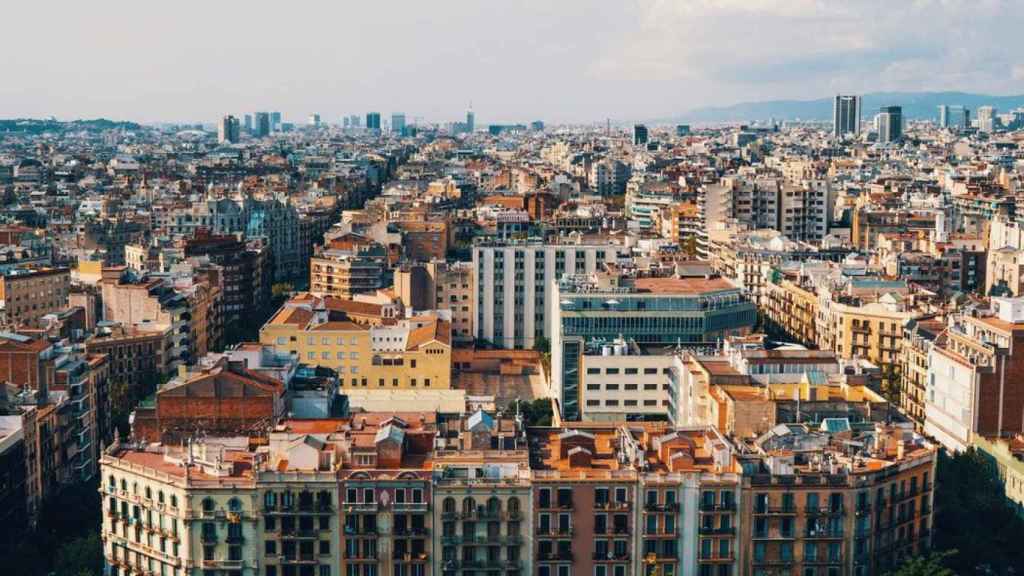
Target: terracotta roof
pixel 682 285
pixel 438 330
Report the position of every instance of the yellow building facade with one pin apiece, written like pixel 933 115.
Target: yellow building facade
pixel 404 354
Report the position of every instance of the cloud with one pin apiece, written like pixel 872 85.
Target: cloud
pixel 568 60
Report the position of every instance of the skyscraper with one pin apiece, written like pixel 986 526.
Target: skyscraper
pixel 398 123
pixel 248 123
pixel 275 121
pixel 314 120
pixel 890 123
pixel 986 118
pixel 262 124
pixel 955 117
pixel 227 130
pixel 639 135
pixel 373 121
pixel 846 115
pixel 470 120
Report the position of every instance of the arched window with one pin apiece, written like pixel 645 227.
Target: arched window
pixel 468 504
pixel 124 485
pixel 149 493
pixel 270 500
pixel 493 506
pixel 160 496
pixel 111 482
pixel 513 506
pixel 135 488
pixel 235 505
pixel 208 504
pixel 174 501
pixel 448 507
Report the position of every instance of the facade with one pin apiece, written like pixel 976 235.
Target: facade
pixel 513 286
pixel 245 276
pixel 28 295
pixel 228 130
pixel 972 369
pixel 346 266
pixel 846 115
pixel 621 381
pixel 596 308
pixel 410 353
pixel 890 124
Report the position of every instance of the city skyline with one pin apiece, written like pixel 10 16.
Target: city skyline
pixel 626 62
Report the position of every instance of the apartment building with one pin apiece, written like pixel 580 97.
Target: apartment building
pixel 812 507
pixel 513 285
pixel 347 265
pixel 440 285
pixel 29 294
pixel 972 371
pixel 408 353
pixel 918 338
pixel 138 355
pixel 246 272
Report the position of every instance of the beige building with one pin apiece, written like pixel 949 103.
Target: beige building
pixel 28 295
pixel 407 353
pixel 442 286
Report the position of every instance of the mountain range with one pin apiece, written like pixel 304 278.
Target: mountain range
pixel 916 106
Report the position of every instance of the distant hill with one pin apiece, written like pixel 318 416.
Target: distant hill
pixel 916 106
pixel 37 126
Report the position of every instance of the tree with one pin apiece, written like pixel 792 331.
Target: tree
pixel 81 557
pixel 542 345
pixel 281 290
pixel 973 516
pixel 537 412
pixel 931 565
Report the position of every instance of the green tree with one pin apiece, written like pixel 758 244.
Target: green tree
pixel 82 556
pixel 973 517
pixel 542 345
pixel 931 565
pixel 537 412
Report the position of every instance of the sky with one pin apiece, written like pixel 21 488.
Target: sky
pixel 515 61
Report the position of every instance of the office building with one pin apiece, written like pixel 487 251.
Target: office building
pixel 398 124
pixel 373 121
pixel 682 130
pixel 890 124
pixel 987 119
pixel 275 122
pixel 314 120
pixel 639 135
pixel 228 130
pixel 846 115
pixel 954 117
pixel 262 124
pixel 593 308
pixel 470 121
pixel 513 285
pixel 248 123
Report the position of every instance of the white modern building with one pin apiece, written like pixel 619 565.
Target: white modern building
pixel 513 280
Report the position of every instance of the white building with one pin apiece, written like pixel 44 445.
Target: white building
pixel 512 283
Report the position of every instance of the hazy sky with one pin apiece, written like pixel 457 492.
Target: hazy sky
pixel 557 60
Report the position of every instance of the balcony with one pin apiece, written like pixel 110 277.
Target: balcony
pixel 611 556
pixel 554 531
pixel 410 506
pixel 360 506
pixel 403 556
pixel 708 507
pixel 717 558
pixel 712 531
pixel 775 510
pixel 773 535
pixel 823 535
pixel 611 505
pixel 666 507
pixel 564 556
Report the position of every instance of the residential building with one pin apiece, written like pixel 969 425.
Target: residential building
pixel 29 294
pixel 513 285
